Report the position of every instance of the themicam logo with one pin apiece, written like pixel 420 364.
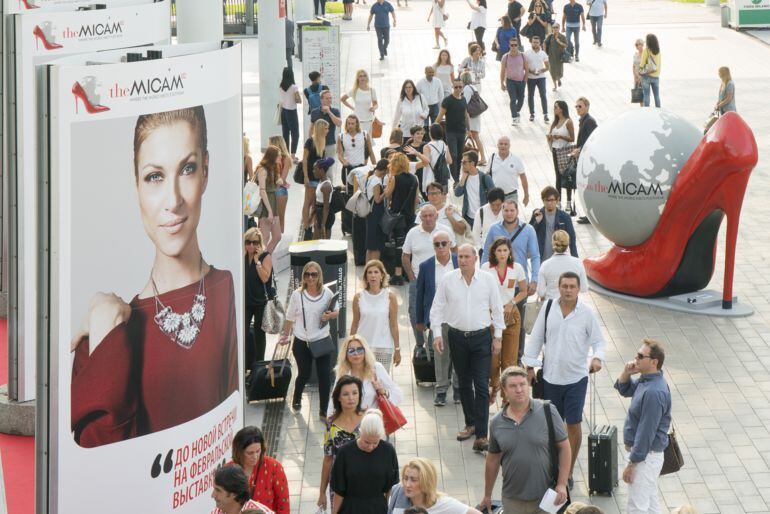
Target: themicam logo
pixel 90 31
pixel 617 189
pixel 85 92
pixel 151 87
pixel 44 34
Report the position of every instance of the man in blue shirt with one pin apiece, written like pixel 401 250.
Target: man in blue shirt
pixel 572 20
pixel 645 432
pixel 379 12
pixel 524 244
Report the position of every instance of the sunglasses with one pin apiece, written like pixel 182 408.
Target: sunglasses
pixel 310 274
pixel 642 357
pixel 359 350
pixel 256 242
pixel 439 244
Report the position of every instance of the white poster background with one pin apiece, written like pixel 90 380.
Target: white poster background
pixel 16 6
pixel 112 253
pixel 67 33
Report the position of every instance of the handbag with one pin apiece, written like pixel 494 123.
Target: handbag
pixel 337 200
pixel 477 105
pixel 562 157
pixel 390 220
pixel 320 347
pixel 569 177
pixel 446 16
pixel 277 115
pixel 251 198
pixel 672 456
pixel 538 387
pixel 637 95
pixel 553 452
pixel 470 145
pixel 274 315
pixel 392 417
pixel 531 312
pixel 650 66
pixel 358 204
pixel 710 121
pixel 298 175
pixel 566 56
pixel 377 128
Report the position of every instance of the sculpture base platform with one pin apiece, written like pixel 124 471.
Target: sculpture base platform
pixel 16 418
pixel 706 302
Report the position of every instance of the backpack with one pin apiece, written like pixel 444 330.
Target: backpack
pixel 477 105
pixel 313 97
pixel 441 168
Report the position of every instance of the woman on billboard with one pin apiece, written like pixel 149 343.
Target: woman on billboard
pixel 171 354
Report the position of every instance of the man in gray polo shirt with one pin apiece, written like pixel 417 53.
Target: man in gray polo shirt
pixel 518 440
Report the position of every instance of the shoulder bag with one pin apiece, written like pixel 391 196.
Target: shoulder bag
pixel 392 417
pixel 251 197
pixel 320 347
pixel 650 66
pixel 563 157
pixel 337 200
pixel 569 177
pixel 299 174
pixel 358 204
pixel 672 455
pixel 377 126
pixel 477 105
pixel 390 220
pixel 274 315
pixel 553 451
pixel 538 388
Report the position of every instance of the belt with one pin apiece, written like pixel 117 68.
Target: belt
pixel 469 333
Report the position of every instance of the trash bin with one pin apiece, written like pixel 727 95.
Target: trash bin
pixel 725 15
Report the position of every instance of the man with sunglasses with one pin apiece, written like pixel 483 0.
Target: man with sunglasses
pixel 566 331
pixel 455 109
pixel 432 271
pixel 645 432
pixel 513 77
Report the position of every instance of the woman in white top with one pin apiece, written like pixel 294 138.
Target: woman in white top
pixel 560 136
pixel 437 17
pixel 475 121
pixel 433 151
pixel 307 319
pixel 486 216
pixel 353 145
pixel 375 315
pixel 475 64
pixel 418 488
pixel 479 21
pixel 289 97
pixel 445 71
pixel 552 268
pixel 411 108
pixel 357 359
pixel 513 289
pixel 364 99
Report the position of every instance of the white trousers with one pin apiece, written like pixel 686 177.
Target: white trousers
pixel 643 491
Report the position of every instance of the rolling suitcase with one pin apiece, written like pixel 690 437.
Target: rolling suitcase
pixel 359 240
pixel 423 365
pixel 271 378
pixel 602 453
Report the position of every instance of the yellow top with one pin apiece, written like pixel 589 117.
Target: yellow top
pixel 656 58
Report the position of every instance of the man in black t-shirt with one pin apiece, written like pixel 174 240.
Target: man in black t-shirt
pixel 516 12
pixel 455 109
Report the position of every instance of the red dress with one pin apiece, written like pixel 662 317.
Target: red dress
pixel 138 381
pixel 269 485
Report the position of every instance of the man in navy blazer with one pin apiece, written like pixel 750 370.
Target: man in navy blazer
pixel 550 213
pixel 432 270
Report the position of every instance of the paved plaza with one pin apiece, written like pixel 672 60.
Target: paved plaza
pixel 717 368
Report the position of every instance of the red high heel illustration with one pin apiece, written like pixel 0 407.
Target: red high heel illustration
pixel 679 256
pixel 40 36
pixel 80 94
pixel 28 5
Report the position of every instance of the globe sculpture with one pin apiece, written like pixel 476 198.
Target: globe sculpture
pixel 627 168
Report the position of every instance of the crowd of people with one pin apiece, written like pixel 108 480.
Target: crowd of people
pixel 446 217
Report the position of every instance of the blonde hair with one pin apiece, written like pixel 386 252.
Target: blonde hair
pixel 280 143
pixel 246 149
pixel 725 75
pixel 315 266
pixel 355 82
pixel 399 163
pixel 374 263
pixel 684 509
pixel 343 365
pixel 560 241
pixel 428 478
pixel 250 235
pixel 372 424
pixel 319 139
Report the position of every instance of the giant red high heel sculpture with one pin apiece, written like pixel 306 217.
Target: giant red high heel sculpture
pixel 680 254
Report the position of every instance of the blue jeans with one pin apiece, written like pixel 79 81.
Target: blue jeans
pixel 383 39
pixel 290 128
pixel 573 32
pixel 456 142
pixel 647 84
pixel 596 28
pixel 540 85
pixel 432 115
pixel 419 335
pixel 516 94
pixel 472 360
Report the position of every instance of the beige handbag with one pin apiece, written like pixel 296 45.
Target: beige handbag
pixel 531 311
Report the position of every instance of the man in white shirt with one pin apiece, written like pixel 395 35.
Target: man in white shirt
pixel 597 11
pixel 447 215
pixel 537 61
pixel 472 186
pixel 418 247
pixel 468 301
pixel 486 216
pixel 565 331
pixel 432 90
pixel 506 170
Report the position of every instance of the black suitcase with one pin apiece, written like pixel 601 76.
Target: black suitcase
pixel 423 365
pixel 603 460
pixel 270 381
pixel 359 240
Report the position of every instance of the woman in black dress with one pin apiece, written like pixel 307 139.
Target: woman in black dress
pixel 401 192
pixel 259 286
pixel 375 193
pixel 365 470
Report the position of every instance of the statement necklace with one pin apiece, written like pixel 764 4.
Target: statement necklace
pixel 183 329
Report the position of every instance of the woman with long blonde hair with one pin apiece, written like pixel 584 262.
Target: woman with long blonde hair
pixel 268 175
pixel 357 359
pixel 364 100
pixel 282 189
pixel 314 150
pixel 726 102
pixel 419 488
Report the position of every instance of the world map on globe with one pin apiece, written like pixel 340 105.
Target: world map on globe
pixel 627 168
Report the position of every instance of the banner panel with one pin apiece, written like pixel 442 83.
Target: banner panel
pixel 40 37
pixel 17 6
pixel 146 281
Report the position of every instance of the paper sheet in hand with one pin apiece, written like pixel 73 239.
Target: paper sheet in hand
pixel 547 502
